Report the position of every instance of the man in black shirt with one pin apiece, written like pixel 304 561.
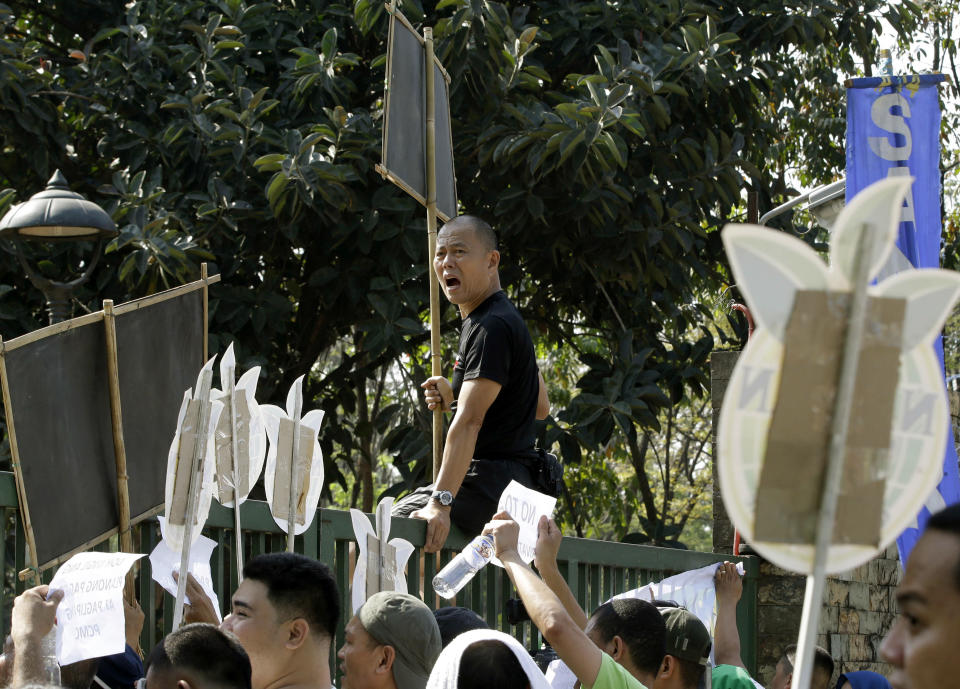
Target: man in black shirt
pixel 496 396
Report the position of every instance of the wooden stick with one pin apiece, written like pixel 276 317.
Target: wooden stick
pixel 230 388
pixel 206 317
pixel 193 493
pixel 119 449
pixel 294 487
pixel 431 162
pixel 33 571
pixel 813 597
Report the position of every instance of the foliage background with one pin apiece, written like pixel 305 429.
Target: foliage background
pixel 607 142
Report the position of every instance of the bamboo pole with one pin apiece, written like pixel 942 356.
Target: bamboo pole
pixel 431 179
pixel 813 597
pixel 32 571
pixel 119 449
pixel 202 393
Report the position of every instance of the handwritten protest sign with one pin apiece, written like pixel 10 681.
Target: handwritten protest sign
pixel 164 562
pixel 90 616
pixel 525 506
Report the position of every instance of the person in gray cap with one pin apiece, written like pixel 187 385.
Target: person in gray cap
pixel 688 649
pixel 391 643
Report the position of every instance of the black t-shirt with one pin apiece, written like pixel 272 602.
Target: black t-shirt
pixel 495 344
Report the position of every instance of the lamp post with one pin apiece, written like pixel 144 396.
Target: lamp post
pixel 57 214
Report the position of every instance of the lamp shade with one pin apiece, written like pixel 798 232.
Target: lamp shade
pixel 57 213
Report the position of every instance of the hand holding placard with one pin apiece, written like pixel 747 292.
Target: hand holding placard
pixel 525 507
pixel 90 621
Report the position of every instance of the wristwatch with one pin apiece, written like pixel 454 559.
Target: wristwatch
pixel 444 497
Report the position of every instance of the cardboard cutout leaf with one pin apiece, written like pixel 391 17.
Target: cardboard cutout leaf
pixel 930 296
pixel 305 469
pixel 241 415
pixel 180 461
pixel 770 267
pixel 393 560
pixel 876 209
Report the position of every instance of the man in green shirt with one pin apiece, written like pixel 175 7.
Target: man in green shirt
pixel 628 635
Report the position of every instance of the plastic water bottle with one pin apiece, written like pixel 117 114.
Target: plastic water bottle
pixel 461 569
pixel 50 668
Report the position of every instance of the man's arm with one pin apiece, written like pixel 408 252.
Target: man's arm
pixel 549 537
pixel 474 400
pixel 547 612
pixel 32 619
pixel 726 637
pixel 543 403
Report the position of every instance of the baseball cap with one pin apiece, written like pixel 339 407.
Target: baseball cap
pixel 404 622
pixel 687 637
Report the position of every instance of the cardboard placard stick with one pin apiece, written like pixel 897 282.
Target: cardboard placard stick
pixel 119 449
pixel 813 597
pixel 198 415
pixel 859 354
pixel 240 442
pixel 294 473
pixel 292 492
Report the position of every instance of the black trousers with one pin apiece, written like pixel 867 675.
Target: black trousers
pixel 476 501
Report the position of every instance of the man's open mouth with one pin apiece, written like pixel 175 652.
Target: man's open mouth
pixel 451 282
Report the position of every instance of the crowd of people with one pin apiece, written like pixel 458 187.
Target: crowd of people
pixel 285 612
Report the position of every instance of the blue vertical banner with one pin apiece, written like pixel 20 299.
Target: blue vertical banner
pixel 893 129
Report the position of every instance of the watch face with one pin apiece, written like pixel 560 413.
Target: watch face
pixel 444 497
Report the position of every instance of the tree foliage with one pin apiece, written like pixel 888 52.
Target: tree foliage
pixel 606 141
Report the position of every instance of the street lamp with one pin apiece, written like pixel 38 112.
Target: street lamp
pixel 57 214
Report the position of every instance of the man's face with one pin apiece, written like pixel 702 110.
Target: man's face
pixel 257 625
pixel 923 643
pixel 359 657
pixel 464 266
pixel 781 677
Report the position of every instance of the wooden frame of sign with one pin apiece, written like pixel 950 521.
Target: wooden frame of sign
pixel 413 127
pixel 87 409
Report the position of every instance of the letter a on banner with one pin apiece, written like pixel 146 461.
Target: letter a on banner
pixel 893 126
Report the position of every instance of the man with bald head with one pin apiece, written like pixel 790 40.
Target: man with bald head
pixel 496 394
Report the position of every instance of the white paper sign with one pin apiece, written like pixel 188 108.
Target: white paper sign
pixel 525 506
pixel 164 562
pixel 90 616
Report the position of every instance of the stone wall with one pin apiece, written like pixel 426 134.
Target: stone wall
pixel 858 607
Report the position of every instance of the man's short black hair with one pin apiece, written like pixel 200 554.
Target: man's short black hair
pixel 641 627
pixel 490 663
pixel 822 660
pixel 481 228
pixel 948 521
pixel 298 586
pixel 213 656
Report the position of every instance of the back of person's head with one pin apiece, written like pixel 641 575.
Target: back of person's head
pixel 454 620
pixel 822 665
pixel 298 586
pixel 481 228
pixel 641 627
pixel 482 658
pixel 490 663
pixel 947 520
pixel 206 656
pixel 688 641
pixel 79 675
